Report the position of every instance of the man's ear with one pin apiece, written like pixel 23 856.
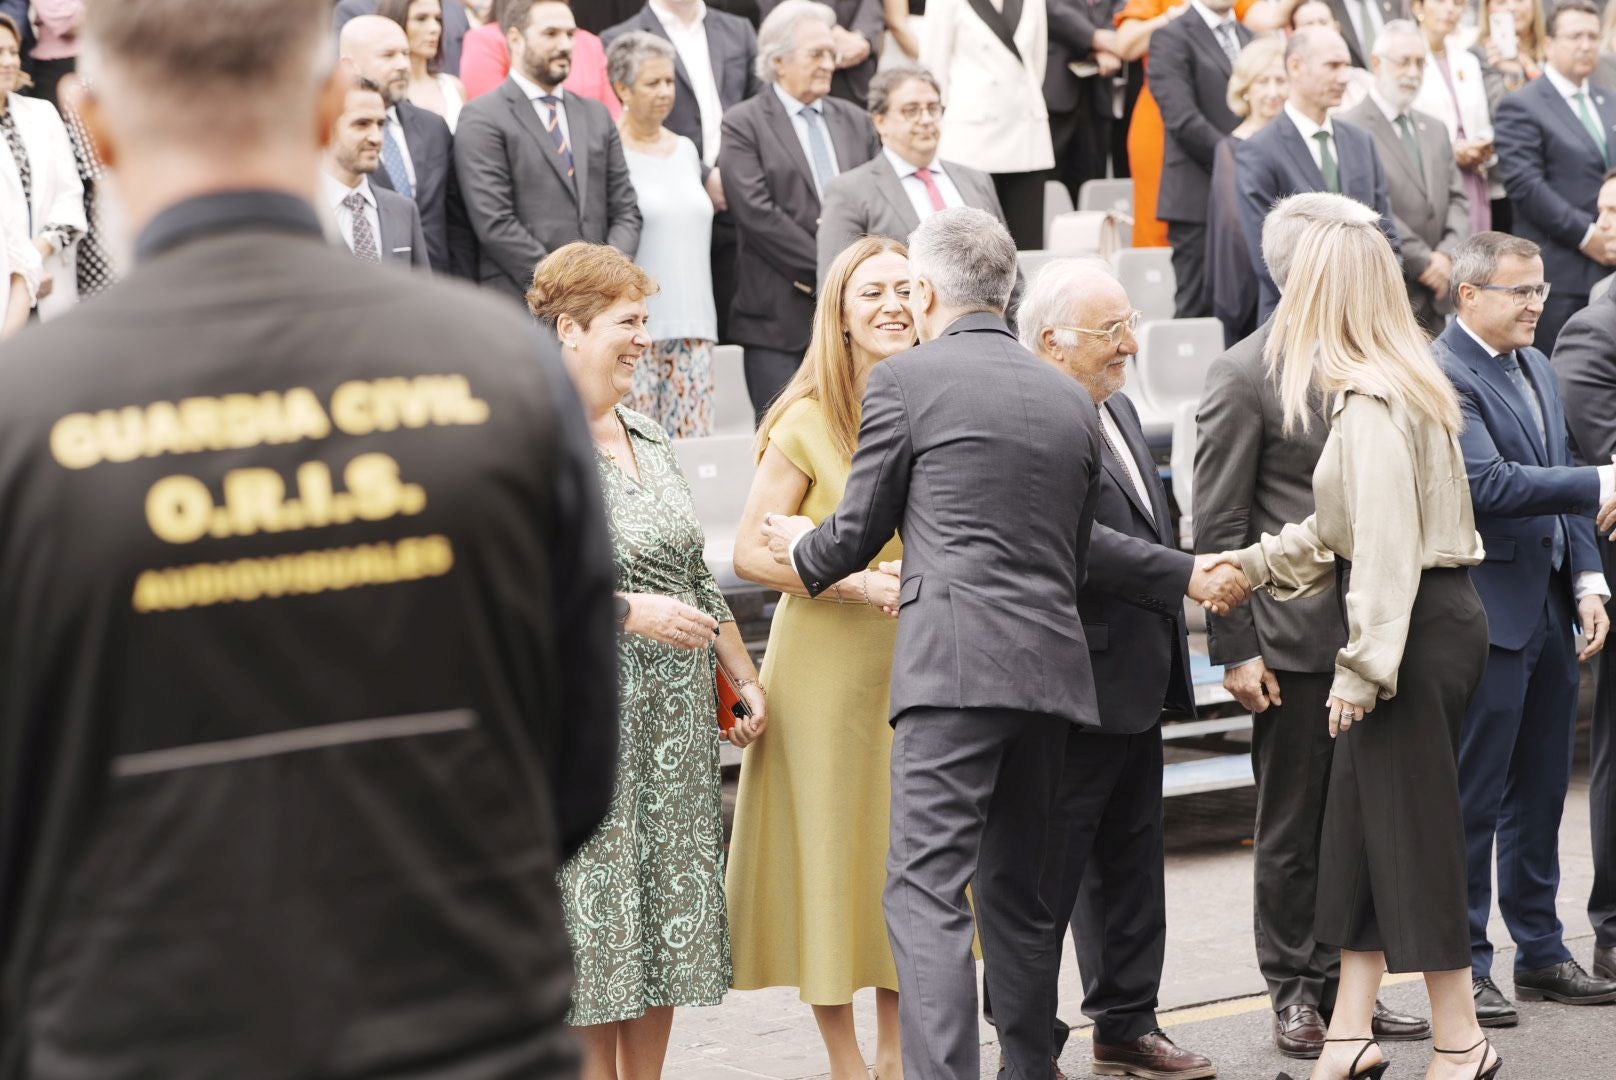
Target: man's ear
pixel 332 103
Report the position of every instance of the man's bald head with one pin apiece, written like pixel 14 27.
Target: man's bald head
pixel 377 49
pixel 1319 66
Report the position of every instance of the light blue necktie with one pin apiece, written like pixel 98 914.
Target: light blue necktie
pixel 819 148
pixel 393 162
pixel 1512 368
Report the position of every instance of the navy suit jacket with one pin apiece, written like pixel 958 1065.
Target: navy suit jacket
pixel 1519 491
pixel 1132 602
pixel 1276 162
pixel 1552 170
pixel 449 237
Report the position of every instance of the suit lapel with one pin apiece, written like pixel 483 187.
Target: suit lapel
pixel 1433 152
pixel 1372 118
pixel 1605 110
pixel 1568 118
pixel 1541 379
pixel 1348 32
pixel 1202 37
pixel 1300 156
pixel 580 136
pixel 783 129
pixel 845 136
pixel 1491 372
pixel 527 118
pixel 886 178
pixel 1133 438
pixel 416 137
pixel 649 23
pixel 975 189
pixel 999 22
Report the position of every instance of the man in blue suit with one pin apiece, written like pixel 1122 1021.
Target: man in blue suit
pixel 1305 149
pixel 1554 138
pixel 1542 571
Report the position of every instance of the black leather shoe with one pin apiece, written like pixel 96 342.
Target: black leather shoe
pixel 1605 962
pixel 1566 983
pixel 1299 1031
pixel 1493 1009
pixel 1388 1026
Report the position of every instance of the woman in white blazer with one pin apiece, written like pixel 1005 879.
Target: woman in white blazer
pixel 20 266
pixel 996 118
pixel 43 156
pixel 1454 92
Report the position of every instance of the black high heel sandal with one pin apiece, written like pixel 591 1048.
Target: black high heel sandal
pixel 1374 1072
pixel 1490 1074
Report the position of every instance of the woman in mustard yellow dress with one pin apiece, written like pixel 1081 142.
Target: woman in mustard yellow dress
pixel 808 858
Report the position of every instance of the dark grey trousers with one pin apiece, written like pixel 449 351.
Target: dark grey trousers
pixel 973 791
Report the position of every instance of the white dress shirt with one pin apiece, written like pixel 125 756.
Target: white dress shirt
pixel 690 42
pixel 915 188
pixel 396 129
pixel 534 92
pixel 1308 129
pixel 1387 109
pixel 1589 582
pixel 799 124
pixel 1114 434
pixel 335 194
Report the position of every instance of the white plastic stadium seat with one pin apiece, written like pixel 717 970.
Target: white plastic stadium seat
pixel 1147 275
pixel 1174 357
pixel 732 407
pixel 1086 232
pixel 1057 201
pixel 1033 261
pixel 1107 195
pixel 719 470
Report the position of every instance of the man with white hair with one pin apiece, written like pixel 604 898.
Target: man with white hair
pixel 990 459
pixel 779 150
pixel 1429 205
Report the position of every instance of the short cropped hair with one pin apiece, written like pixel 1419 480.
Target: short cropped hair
pixel 1283 227
pixel 778 34
pixel 1475 261
pixel 1053 299
pixel 968 257
pixel 582 280
pixel 630 52
pixel 1564 6
pixel 887 81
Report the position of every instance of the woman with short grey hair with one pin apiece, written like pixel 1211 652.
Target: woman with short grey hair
pixel 674 384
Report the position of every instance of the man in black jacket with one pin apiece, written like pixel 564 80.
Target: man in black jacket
pixel 1078 88
pixel 307 638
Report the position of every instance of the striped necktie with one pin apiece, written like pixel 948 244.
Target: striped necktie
pixel 552 124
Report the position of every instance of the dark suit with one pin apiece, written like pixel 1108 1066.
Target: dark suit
pixel 865 17
pixel 990 671
pixel 519 197
pixel 455 26
pixel 1389 10
pixel 771 192
pixel 1429 204
pixel 871 201
pixel 1515 748
pixel 1276 162
pixel 1252 478
pixel 1189 76
pixel 255 769
pixel 401 237
pixel 1585 362
pixel 1552 170
pixel 449 238
pixel 1080 119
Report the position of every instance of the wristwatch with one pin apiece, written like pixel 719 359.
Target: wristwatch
pixel 620 602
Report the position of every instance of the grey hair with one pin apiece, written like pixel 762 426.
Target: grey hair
pixel 630 52
pixel 1395 29
pixel 888 80
pixel 1475 262
pixel 1283 227
pixel 777 37
pixel 1054 298
pixel 967 256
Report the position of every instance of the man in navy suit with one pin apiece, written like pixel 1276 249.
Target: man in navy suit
pixel 1542 572
pixel 1554 139
pixel 1305 149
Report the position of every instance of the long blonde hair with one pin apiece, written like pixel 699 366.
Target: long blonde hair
pixel 1344 323
pixel 827 374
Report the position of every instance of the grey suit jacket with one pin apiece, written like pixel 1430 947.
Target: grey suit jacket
pixel 1251 478
pixel 870 201
pixel 776 208
pixel 1429 205
pixel 402 239
pixel 1585 362
pixel 521 201
pixel 964 441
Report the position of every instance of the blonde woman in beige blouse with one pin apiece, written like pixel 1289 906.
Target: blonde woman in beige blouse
pixel 1393 521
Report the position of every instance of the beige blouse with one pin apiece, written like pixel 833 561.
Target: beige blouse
pixel 1390 494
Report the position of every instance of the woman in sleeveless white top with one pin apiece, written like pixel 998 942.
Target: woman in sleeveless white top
pixel 430 88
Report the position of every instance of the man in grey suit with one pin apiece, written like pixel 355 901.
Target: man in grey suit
pixel 375 223
pixel 1429 204
pixel 540 167
pixel 780 150
pixel 1252 477
pixel 966 440
pixel 903 185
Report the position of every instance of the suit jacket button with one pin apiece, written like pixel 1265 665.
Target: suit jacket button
pixel 1547 542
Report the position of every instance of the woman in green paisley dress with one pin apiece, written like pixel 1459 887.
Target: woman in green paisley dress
pixel 644 899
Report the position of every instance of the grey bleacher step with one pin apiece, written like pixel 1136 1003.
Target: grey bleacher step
pixel 1209 774
pixel 1195 729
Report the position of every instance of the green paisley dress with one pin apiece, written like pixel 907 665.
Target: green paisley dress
pixel 644 898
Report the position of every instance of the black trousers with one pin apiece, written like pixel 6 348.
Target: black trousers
pixel 725 277
pixel 1290 758
pixel 1189 269
pixel 767 372
pixel 1602 789
pixel 1022 196
pixel 1082 137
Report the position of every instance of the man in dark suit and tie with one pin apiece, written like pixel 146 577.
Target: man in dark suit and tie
pixel 1585 361
pixel 541 167
pixel 893 192
pixel 1304 149
pixel 1190 60
pixel 1361 23
pixel 780 150
pixel 992 669
pixel 715 70
pixel 1080 101
pixel 861 26
pixel 1429 204
pixel 417 149
pixel 1553 137
pixel 455 25
pixel 329 849
pixel 375 223
pixel 1541 576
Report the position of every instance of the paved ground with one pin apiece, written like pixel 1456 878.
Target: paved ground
pixel 1211 984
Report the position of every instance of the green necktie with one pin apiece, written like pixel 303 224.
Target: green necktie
pixel 1588 121
pixel 1332 175
pixel 1410 142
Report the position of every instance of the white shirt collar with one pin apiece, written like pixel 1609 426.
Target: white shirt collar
pixel 1566 87
pixel 1213 19
pixel 1387 109
pixel 672 22
pixel 532 89
pixel 906 168
pixel 793 106
pixel 1490 350
pixel 336 190
pixel 1307 127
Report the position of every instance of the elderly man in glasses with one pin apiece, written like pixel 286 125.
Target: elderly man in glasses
pixel 1110 886
pixel 892 193
pixel 1534 510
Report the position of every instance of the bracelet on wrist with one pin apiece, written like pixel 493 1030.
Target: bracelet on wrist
pixel 864 580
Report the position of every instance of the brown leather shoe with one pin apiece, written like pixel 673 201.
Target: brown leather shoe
pixel 1388 1026
pixel 1151 1056
pixel 1299 1031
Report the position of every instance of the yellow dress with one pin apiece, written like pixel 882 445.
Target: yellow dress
pixel 808 856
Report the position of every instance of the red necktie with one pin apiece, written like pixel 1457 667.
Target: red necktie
pixel 936 194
